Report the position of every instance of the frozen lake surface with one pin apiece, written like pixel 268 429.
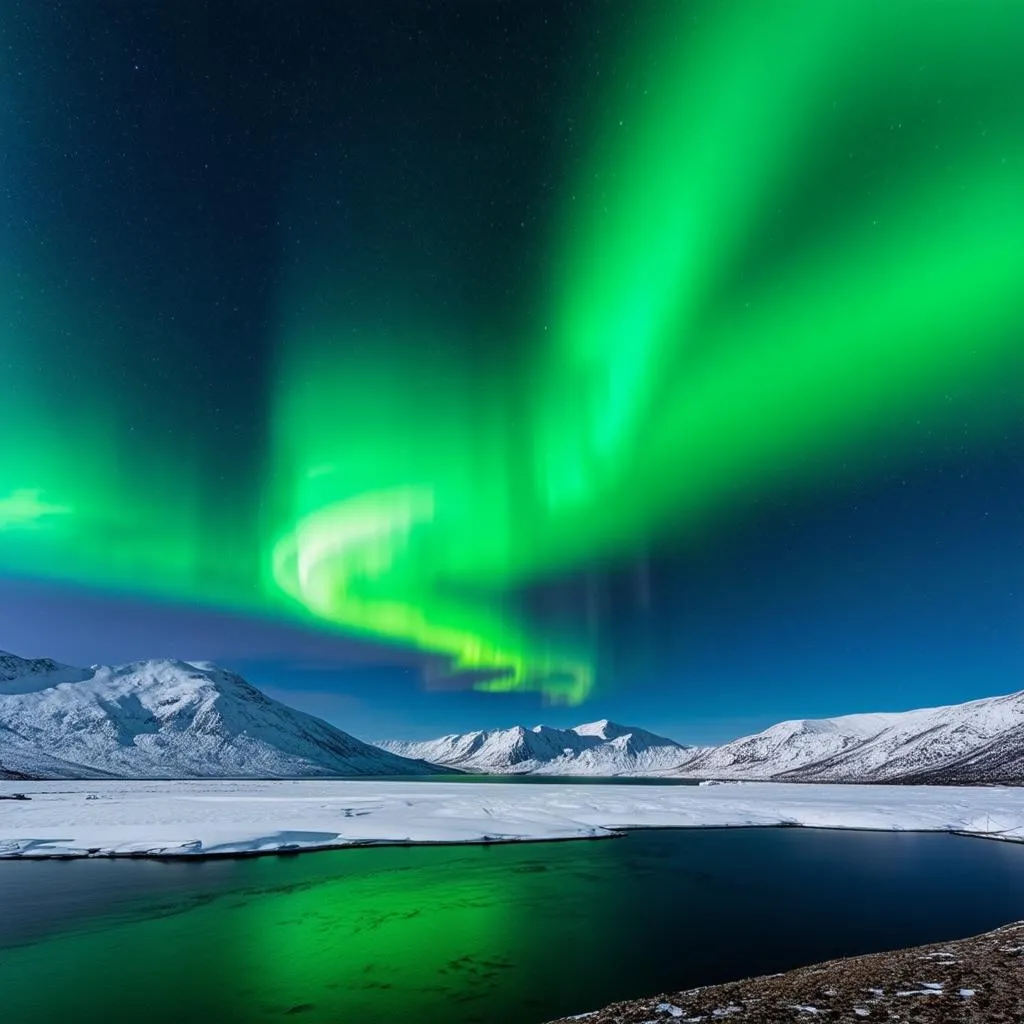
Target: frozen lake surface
pixel 222 817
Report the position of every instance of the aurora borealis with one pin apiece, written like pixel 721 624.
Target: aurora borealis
pixel 387 354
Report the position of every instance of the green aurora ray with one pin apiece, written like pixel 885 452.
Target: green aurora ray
pixel 796 240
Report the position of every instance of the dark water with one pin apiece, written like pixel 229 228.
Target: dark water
pixel 488 934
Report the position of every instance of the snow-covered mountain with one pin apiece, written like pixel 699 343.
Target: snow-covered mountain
pixel 980 741
pixel 166 719
pixel 174 719
pixel 598 748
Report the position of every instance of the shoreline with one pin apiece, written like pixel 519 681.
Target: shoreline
pixel 970 979
pixel 454 774
pixel 620 833
pixel 214 819
pixel 177 858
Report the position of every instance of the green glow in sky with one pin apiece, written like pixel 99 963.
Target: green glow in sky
pixel 795 239
pixel 26 509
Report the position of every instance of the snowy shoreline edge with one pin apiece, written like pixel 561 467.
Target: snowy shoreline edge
pixel 213 818
pixel 295 851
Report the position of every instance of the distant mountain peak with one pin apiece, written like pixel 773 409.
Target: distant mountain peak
pixel 592 728
pixel 596 748
pixel 604 729
pixel 12 666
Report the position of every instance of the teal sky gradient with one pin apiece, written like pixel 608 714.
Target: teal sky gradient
pixel 529 364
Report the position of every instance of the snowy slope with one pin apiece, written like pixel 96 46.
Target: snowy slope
pixel 165 719
pixel 980 741
pixel 597 748
pixel 24 675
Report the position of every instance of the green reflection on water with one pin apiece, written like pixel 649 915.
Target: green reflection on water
pixel 362 936
pixel 503 934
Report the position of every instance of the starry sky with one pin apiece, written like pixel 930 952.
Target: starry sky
pixel 451 365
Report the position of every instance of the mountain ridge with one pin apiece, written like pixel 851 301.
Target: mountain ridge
pixel 595 748
pixel 977 741
pixel 166 719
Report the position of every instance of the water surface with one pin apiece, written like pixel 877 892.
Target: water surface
pixel 512 934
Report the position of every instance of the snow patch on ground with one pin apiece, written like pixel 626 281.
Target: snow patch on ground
pixel 204 817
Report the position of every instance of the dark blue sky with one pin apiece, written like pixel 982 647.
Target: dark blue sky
pixel 890 584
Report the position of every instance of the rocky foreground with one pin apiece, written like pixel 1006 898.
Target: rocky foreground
pixel 970 980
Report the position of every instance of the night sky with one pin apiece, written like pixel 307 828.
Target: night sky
pixel 448 365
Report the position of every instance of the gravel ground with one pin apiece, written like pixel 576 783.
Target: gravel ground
pixel 970 980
